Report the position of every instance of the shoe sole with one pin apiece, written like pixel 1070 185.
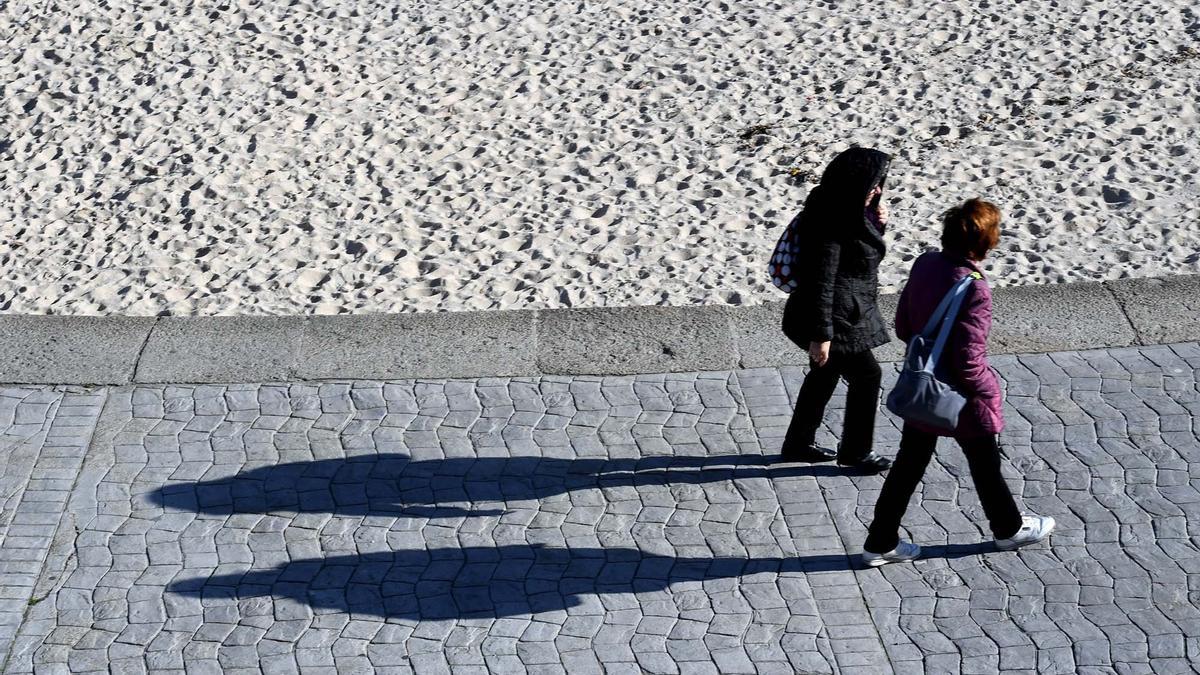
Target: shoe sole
pixel 880 562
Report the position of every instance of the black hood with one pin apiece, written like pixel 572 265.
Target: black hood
pixel 846 182
pixel 852 174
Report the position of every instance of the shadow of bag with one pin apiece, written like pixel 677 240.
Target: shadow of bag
pixel 919 396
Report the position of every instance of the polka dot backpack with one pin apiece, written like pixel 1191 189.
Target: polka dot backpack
pixel 787 252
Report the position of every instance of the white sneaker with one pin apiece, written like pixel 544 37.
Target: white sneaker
pixel 903 552
pixel 1033 529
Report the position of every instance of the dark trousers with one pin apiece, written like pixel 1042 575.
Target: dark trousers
pixel 862 374
pixel 916 449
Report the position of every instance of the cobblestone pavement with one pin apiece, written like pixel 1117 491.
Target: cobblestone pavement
pixel 45 434
pixel 621 524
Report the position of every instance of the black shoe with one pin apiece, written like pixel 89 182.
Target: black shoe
pixel 870 463
pixel 810 454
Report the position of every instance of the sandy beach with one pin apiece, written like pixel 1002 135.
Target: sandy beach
pixel 362 157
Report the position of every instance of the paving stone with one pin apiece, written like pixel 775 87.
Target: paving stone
pixel 681 538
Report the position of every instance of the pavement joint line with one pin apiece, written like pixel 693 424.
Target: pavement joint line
pixel 738 362
pixel 293 367
pixel 1138 337
pixel 137 361
pixel 535 324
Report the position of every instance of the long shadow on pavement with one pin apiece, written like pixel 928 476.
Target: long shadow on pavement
pixel 395 485
pixel 487 582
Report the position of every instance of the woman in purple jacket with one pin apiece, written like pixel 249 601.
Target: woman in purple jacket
pixel 970 231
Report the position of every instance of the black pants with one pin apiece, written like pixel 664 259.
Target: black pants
pixel 862 374
pixel 916 449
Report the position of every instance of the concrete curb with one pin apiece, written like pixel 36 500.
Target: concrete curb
pixel 602 341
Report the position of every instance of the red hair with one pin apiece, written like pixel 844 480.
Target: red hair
pixel 971 229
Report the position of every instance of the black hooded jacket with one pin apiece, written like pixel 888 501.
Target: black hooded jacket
pixel 840 251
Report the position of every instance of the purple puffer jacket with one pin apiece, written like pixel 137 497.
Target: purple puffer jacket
pixel 964 363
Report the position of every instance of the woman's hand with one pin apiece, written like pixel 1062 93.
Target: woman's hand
pixel 875 205
pixel 818 353
pixel 881 213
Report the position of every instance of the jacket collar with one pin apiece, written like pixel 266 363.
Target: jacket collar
pixel 962 261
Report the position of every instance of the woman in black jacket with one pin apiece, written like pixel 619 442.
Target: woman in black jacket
pixel 834 313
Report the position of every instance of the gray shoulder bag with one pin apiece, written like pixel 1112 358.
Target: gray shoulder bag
pixel 918 395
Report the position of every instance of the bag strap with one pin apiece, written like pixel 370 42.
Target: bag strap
pixel 955 297
pixel 943 306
